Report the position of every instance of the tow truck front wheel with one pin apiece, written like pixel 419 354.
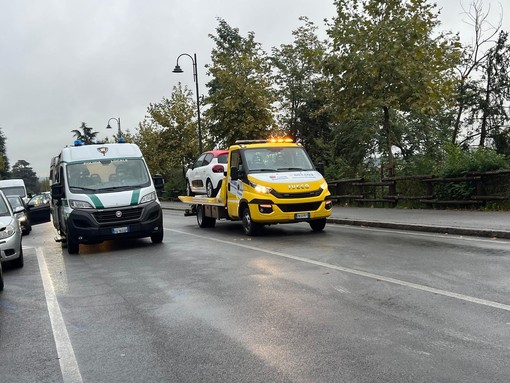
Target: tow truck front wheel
pixel 250 228
pixel 318 224
pixel 202 220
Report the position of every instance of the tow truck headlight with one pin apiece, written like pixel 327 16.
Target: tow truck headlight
pixel 260 188
pixel 7 232
pixel 324 186
pixel 76 204
pixel 148 197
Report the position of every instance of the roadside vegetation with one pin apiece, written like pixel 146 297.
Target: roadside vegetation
pixel 384 92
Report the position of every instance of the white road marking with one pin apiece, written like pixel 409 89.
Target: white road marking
pixel 416 286
pixel 68 364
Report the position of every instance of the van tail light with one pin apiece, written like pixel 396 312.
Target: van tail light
pixel 218 169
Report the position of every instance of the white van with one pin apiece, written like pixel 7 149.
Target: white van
pixel 102 192
pixel 14 187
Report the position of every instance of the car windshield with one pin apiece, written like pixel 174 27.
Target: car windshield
pixel 4 209
pixel 277 159
pixel 105 175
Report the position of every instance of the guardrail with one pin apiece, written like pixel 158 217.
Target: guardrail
pixel 472 189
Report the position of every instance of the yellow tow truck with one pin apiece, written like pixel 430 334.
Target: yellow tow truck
pixel 266 182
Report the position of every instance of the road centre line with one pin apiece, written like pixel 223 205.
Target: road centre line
pixel 67 359
pixel 399 282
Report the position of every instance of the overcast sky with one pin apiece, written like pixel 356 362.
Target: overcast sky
pixel 67 61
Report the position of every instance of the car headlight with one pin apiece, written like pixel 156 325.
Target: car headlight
pixel 148 197
pixel 7 232
pixel 76 204
pixel 261 188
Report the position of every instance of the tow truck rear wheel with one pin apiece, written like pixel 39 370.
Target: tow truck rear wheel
pixel 202 220
pixel 250 228
pixel 318 224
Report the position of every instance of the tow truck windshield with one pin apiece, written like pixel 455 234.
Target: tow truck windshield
pixel 107 175
pixel 276 159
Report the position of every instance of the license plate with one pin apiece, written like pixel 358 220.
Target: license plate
pixel 120 230
pixel 302 215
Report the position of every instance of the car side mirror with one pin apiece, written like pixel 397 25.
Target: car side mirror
pixel 159 182
pixel 320 169
pixel 18 209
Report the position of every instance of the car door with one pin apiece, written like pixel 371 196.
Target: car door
pixel 194 174
pixel 38 210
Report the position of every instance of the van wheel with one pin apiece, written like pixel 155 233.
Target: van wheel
pixel 202 220
pixel 188 189
pixel 157 237
pixel 209 189
pixel 318 224
pixel 250 228
pixel 73 247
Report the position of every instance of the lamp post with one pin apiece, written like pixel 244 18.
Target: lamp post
pixel 178 69
pixel 119 133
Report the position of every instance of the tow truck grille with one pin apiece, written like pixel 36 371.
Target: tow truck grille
pixel 307 194
pixel 107 216
pixel 296 207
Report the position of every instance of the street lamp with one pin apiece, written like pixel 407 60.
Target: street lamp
pixel 178 69
pixel 119 133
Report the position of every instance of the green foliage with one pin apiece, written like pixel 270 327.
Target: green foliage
pixel 458 162
pixel 168 135
pixel 385 57
pixel 4 161
pixel 240 97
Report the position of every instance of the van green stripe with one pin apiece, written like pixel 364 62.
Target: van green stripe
pixel 96 201
pixel 135 196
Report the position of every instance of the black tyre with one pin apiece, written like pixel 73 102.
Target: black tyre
pixel 318 224
pixel 202 220
pixel 19 262
pixel 1 278
pixel 250 228
pixel 157 237
pixel 188 189
pixel 210 189
pixel 73 246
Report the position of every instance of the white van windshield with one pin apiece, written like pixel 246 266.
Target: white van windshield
pixel 101 175
pixel 14 190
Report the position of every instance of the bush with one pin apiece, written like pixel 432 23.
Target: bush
pixel 458 162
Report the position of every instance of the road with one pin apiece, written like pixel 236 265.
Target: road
pixel 351 304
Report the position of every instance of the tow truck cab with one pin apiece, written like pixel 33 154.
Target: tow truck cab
pixel 268 182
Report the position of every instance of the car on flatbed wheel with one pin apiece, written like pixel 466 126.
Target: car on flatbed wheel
pixel 204 176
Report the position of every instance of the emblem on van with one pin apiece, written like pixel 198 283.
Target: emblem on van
pixel 299 186
pixel 102 150
pixel 118 214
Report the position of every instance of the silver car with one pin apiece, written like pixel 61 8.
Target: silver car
pixel 11 249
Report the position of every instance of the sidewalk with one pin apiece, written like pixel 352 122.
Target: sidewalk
pixel 458 222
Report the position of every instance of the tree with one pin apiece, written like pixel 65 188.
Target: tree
pixel 384 57
pixel 86 135
pixel 168 136
pixel 4 161
pixel 473 58
pixel 298 79
pixel 22 169
pixel 240 99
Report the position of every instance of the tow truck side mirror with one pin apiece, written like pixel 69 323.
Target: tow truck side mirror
pixel 234 173
pixel 57 191
pixel 320 169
